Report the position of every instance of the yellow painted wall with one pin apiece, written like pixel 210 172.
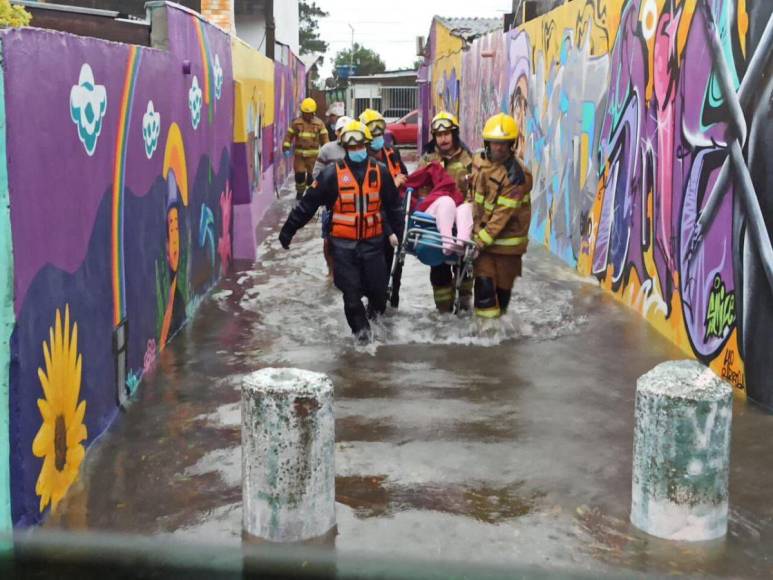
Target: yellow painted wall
pixel 446 66
pixel 254 90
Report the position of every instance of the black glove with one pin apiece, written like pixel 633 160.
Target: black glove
pixel 285 239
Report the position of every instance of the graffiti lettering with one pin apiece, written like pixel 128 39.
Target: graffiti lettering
pixel 730 372
pixel 720 316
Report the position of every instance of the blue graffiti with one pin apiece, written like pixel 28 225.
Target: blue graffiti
pixel 207 233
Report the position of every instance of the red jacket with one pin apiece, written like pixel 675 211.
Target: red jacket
pixel 437 178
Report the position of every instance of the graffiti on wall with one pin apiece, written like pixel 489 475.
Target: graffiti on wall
pixel 665 137
pixel 484 88
pixel 556 66
pixel 289 91
pixel 446 70
pixel 252 171
pixel 629 130
pixel 137 233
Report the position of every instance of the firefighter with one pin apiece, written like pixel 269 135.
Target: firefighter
pixel 500 187
pixel 390 157
pixel 330 153
pixel 446 147
pixel 308 133
pixel 365 208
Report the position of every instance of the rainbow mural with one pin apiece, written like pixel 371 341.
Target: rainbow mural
pixel 206 59
pixel 119 176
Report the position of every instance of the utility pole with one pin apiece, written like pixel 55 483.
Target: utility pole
pixel 351 52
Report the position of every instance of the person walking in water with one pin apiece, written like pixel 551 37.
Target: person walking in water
pixel 308 133
pixel 365 208
pixel 500 191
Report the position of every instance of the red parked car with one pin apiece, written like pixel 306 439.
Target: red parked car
pixel 405 131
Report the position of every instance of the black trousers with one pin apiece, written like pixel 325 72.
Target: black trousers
pixel 360 270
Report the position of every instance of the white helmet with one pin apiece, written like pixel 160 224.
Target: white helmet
pixel 341 123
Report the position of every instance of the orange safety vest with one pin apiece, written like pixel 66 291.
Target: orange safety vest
pixel 357 211
pixel 391 162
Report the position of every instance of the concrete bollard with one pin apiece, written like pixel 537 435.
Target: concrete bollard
pixel 681 452
pixel 288 450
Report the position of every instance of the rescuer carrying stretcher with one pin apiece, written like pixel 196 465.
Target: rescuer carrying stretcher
pixel 366 208
pixel 500 191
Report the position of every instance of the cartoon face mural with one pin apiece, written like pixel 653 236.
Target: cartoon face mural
pixel 109 270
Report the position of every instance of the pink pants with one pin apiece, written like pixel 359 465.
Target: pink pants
pixel 446 212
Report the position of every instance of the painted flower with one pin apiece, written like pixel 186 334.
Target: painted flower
pixel 88 104
pixel 151 129
pixel 218 74
pixel 149 361
pixel 224 243
pixel 58 441
pixel 195 97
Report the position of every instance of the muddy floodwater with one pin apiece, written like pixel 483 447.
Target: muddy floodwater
pixel 455 440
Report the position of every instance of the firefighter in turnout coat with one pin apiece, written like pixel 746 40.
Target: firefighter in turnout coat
pixel 500 191
pixel 308 133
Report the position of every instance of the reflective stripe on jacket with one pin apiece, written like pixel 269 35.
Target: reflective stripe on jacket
pixel 502 205
pixel 306 136
pixel 357 211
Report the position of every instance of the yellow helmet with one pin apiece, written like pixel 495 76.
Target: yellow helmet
pixel 500 127
pixel 355 133
pixel 308 105
pixel 374 121
pixel 443 121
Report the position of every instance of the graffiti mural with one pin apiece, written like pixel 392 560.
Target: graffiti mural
pixel 484 89
pixel 644 125
pixel 252 169
pixel 556 66
pixel 663 143
pixel 442 88
pixel 109 263
pixel 289 91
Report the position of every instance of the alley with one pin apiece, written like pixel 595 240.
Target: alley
pixel 506 444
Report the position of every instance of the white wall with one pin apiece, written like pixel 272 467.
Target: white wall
pixel 287 23
pixel 251 28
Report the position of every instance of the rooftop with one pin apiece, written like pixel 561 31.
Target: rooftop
pixel 389 74
pixel 469 28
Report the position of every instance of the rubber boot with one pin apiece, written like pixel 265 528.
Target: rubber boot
pixel 486 305
pixel 503 296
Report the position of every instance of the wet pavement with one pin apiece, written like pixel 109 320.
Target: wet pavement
pixel 456 441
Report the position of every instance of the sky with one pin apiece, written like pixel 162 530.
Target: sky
pixel 390 27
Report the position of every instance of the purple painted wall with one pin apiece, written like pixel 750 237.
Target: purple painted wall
pixel 289 91
pixel 91 257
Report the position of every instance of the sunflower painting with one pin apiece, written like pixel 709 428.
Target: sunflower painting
pixel 59 439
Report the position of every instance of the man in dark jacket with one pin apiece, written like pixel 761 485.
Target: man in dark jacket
pixel 366 208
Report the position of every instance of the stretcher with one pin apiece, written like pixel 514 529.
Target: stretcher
pixel 422 239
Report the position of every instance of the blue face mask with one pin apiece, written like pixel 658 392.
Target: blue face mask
pixel 358 156
pixel 378 143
